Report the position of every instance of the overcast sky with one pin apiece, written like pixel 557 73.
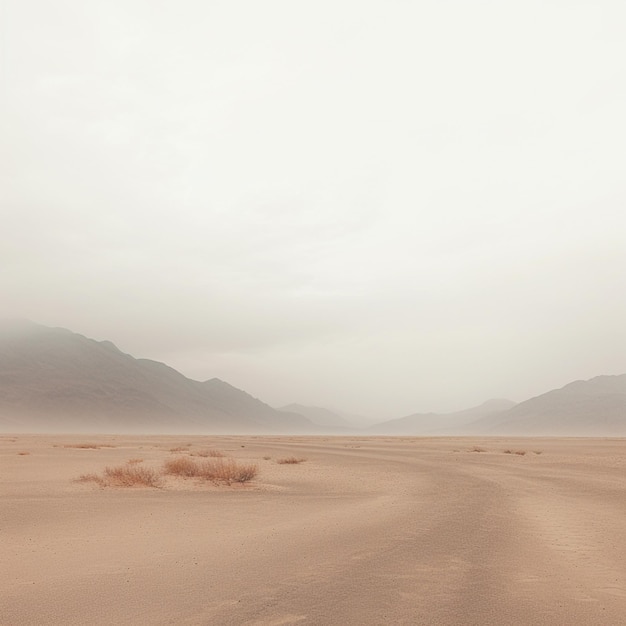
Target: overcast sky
pixel 378 206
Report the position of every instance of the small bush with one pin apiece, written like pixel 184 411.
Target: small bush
pixel 94 478
pixel 24 453
pixel 537 451
pixel 181 466
pixel 125 476
pixel 217 470
pixel 520 452
pixel 267 458
pixel 227 471
pixel 290 460
pixel 478 449
pixel 83 446
pixel 131 476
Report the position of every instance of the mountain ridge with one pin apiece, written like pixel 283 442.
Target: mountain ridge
pixel 54 378
pixel 439 423
pixel 593 407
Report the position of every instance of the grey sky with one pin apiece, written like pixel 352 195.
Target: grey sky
pixel 380 206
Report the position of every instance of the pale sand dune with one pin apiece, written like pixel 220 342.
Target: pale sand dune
pixel 366 531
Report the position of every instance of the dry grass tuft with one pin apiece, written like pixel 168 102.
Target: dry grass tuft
pixel 132 476
pixel 180 449
pixel 181 466
pixel 228 471
pixel 217 470
pixel 478 449
pixel 520 452
pixel 537 451
pixel 290 460
pixel 91 478
pixel 125 476
pixel 24 453
pixel 83 446
pixel 267 458
pixel 134 461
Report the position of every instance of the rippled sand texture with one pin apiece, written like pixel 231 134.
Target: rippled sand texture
pixel 363 531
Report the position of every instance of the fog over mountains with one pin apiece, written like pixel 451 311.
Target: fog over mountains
pixel 54 380
pixel 441 423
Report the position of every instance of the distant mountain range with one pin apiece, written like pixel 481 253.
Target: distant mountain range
pixel 54 380
pixel 320 416
pixel 441 423
pixel 595 407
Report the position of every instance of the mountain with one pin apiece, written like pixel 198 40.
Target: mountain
pixel 595 407
pixel 440 423
pixel 52 379
pixel 320 416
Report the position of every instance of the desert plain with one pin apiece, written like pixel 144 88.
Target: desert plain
pixel 363 530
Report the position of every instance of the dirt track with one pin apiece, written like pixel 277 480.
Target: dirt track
pixel 365 531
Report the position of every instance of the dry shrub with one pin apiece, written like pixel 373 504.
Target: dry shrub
pixel 507 451
pixel 290 460
pixel 134 461
pixel 181 466
pixel 520 452
pixel 83 446
pixel 180 449
pixel 91 478
pixel 537 451
pixel 217 470
pixel 478 449
pixel 131 476
pixel 227 471
pixel 24 453
pixel 267 458
pixel 125 476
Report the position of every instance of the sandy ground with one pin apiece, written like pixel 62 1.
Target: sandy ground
pixel 365 531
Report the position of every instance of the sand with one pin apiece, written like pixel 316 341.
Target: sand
pixel 365 531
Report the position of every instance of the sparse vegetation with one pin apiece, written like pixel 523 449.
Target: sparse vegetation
pixel 134 461
pixel 180 449
pixel 478 449
pixel 267 458
pixel 83 446
pixel 125 476
pixel 537 451
pixel 217 470
pixel 518 452
pixel 181 466
pixel 91 478
pixel 290 460
pixel 228 471
pixel 24 453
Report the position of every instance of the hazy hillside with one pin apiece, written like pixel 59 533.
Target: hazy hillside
pixel 320 416
pixel 440 423
pixel 590 407
pixel 52 379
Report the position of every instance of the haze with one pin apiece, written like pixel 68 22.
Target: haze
pixel 382 207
